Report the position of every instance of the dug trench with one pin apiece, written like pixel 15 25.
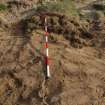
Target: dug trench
pixel 78 73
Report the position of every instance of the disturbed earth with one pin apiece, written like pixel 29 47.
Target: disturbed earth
pixel 76 59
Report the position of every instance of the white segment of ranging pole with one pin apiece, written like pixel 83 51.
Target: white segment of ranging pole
pixel 47 50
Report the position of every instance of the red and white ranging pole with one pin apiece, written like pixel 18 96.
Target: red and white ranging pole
pixel 47 50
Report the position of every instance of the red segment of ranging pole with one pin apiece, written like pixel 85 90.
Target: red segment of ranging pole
pixel 47 50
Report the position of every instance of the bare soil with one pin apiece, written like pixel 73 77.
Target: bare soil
pixel 77 74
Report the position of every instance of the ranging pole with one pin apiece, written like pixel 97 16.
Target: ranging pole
pixel 47 50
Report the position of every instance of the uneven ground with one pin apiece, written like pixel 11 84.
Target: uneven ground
pixel 78 75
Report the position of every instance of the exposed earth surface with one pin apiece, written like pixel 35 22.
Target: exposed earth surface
pixel 76 58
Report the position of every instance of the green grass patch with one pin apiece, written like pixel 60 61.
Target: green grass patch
pixel 49 7
pixel 100 7
pixel 3 7
pixel 66 7
pixel 69 8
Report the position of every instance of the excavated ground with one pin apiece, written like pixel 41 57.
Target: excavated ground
pixel 78 74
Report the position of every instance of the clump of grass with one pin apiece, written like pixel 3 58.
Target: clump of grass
pixel 50 7
pixel 100 7
pixel 3 7
pixel 66 7
pixel 95 15
pixel 69 7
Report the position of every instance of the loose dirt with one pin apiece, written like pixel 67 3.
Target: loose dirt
pixel 78 74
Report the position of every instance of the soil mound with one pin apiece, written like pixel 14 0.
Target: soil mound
pixel 79 33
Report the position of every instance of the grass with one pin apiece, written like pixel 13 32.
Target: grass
pixel 100 7
pixel 50 7
pixel 3 7
pixel 69 8
pixel 66 7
